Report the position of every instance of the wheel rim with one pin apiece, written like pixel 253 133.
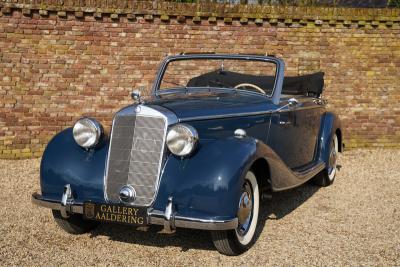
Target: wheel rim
pixel 248 220
pixel 245 211
pixel 333 158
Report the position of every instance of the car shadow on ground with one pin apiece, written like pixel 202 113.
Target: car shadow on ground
pixel 281 204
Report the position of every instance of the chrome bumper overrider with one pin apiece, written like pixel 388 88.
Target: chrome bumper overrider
pixel 167 218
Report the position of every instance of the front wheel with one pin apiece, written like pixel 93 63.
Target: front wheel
pixel 74 224
pixel 237 241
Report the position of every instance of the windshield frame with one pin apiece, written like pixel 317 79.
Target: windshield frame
pixel 279 73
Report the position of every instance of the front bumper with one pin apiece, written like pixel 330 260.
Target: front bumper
pixel 167 218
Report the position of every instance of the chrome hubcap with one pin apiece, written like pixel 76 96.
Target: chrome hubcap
pixel 245 209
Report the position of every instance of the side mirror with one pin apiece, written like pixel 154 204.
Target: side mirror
pixel 293 102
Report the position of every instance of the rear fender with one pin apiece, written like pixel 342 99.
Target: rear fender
pixel 329 125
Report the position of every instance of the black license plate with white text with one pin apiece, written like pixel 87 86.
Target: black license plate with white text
pixel 115 213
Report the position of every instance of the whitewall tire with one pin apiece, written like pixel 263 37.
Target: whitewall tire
pixel 237 241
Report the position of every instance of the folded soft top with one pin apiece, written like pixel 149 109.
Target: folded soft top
pixel 310 84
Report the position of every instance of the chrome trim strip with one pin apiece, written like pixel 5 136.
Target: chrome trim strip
pixel 107 160
pixel 297 109
pixel 223 116
pixel 38 200
pixel 155 217
pixel 233 115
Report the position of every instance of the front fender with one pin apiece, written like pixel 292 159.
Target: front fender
pixel 65 162
pixel 208 184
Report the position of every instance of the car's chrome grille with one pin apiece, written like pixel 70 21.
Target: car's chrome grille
pixel 135 157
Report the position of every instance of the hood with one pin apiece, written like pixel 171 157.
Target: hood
pixel 197 105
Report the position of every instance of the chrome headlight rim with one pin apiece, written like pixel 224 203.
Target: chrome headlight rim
pixel 193 140
pixel 96 129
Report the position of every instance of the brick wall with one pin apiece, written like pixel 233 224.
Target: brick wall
pixel 60 60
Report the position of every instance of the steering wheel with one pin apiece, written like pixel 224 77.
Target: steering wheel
pixel 250 85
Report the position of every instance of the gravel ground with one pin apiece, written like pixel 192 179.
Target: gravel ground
pixel 354 222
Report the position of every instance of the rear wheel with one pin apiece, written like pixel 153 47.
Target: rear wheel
pixel 237 241
pixel 327 176
pixel 74 224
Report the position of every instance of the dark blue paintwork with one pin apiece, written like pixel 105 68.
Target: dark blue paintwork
pixel 200 104
pixel 292 143
pixel 255 126
pixel 296 130
pixel 194 186
pixel 330 124
pixel 207 184
pixel 64 162
pixel 200 186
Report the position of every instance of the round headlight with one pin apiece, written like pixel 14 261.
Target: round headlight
pixel 87 132
pixel 182 139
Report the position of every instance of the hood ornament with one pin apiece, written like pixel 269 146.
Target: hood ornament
pixel 136 96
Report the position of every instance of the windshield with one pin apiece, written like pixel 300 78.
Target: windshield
pixel 244 74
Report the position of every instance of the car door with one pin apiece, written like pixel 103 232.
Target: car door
pixel 294 131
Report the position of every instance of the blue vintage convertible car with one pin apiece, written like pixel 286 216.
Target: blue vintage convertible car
pixel 217 133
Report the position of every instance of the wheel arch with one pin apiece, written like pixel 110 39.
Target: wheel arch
pixel 262 171
pixel 339 135
pixel 330 125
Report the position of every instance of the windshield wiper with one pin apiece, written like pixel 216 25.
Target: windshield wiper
pixel 181 90
pixel 193 90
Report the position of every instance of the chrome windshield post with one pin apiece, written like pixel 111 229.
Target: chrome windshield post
pixel 280 73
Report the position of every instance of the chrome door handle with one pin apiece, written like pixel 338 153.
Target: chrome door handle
pixel 284 123
pixel 319 101
pixel 293 102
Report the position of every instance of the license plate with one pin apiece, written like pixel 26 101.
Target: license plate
pixel 115 213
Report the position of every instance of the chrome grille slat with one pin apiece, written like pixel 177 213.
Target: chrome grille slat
pixel 155 123
pixel 135 157
pixel 142 179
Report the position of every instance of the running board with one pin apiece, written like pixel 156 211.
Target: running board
pixel 309 172
pixel 293 178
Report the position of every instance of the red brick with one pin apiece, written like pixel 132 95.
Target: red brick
pixel 61 69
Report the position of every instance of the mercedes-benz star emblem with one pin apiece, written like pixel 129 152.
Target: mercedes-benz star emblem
pixel 127 194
